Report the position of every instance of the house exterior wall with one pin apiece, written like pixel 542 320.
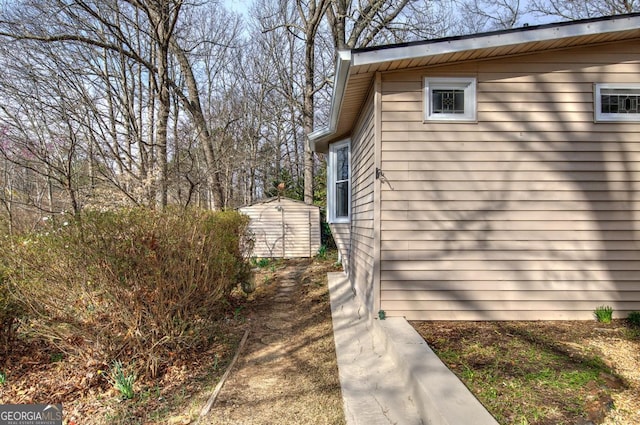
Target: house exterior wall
pixel 341 233
pixel 355 240
pixel 529 213
pixel 362 202
pixel 293 223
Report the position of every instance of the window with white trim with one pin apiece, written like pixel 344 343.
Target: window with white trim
pixel 617 102
pixel 339 182
pixel 449 99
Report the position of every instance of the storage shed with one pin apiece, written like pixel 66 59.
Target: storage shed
pixel 284 227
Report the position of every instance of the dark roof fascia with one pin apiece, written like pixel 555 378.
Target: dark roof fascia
pixel 512 37
pixel 497 32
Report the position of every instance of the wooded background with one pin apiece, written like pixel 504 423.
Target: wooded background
pixel 107 103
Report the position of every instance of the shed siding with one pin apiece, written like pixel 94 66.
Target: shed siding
pixel 530 213
pixel 298 222
pixel 266 227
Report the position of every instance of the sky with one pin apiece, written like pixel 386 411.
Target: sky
pixel 240 6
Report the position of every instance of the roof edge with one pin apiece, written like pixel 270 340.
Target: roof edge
pixel 274 199
pixel 530 34
pixel 319 139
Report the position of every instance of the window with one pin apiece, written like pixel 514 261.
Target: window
pixel 339 182
pixel 450 99
pixel 617 102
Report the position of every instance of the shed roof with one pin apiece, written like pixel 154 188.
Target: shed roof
pixel 278 199
pixel 356 68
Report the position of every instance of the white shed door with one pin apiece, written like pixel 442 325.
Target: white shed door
pixel 296 230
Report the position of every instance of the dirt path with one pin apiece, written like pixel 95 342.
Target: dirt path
pixel 287 372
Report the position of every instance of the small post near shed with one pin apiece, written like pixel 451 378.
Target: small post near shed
pixel 283 227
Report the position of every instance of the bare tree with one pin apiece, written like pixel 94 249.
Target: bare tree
pixel 44 123
pixel 211 36
pixel 169 101
pixel 350 24
pixel 8 190
pixel 144 35
pixel 359 23
pixel 485 15
pixel 163 17
pixel 571 9
pixel 79 30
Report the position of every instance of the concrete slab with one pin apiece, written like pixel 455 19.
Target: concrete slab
pixel 442 398
pixel 372 391
pixel 389 375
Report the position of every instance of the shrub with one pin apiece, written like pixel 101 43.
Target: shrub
pixel 634 318
pixel 136 283
pixel 604 314
pixel 10 313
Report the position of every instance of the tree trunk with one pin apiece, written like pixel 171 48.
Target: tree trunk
pixel 307 114
pixel 161 18
pixel 194 107
pixel 311 25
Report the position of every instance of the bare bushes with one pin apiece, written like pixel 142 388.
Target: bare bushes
pixel 139 285
pixel 10 313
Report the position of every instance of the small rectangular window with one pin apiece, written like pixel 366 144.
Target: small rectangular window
pixel 450 99
pixel 617 102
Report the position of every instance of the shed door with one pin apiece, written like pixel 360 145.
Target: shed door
pixel 296 229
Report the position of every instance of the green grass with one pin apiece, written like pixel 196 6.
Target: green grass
pixel 552 373
pixel 522 376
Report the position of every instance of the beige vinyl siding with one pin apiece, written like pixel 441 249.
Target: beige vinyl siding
pixel 341 235
pixel 530 213
pixel 285 221
pixel 362 202
pixel 355 240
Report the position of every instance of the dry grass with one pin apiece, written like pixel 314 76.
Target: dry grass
pixel 286 375
pixel 543 373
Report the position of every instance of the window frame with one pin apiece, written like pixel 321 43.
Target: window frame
pixel 332 182
pixel 468 84
pixel 599 116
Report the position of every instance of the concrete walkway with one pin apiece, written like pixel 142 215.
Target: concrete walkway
pixel 389 375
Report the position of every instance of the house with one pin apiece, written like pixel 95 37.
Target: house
pixel 494 176
pixel 283 227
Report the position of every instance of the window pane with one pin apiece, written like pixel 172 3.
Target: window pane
pixel 342 163
pixel 342 199
pixel 339 180
pixel 448 101
pixel 620 102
